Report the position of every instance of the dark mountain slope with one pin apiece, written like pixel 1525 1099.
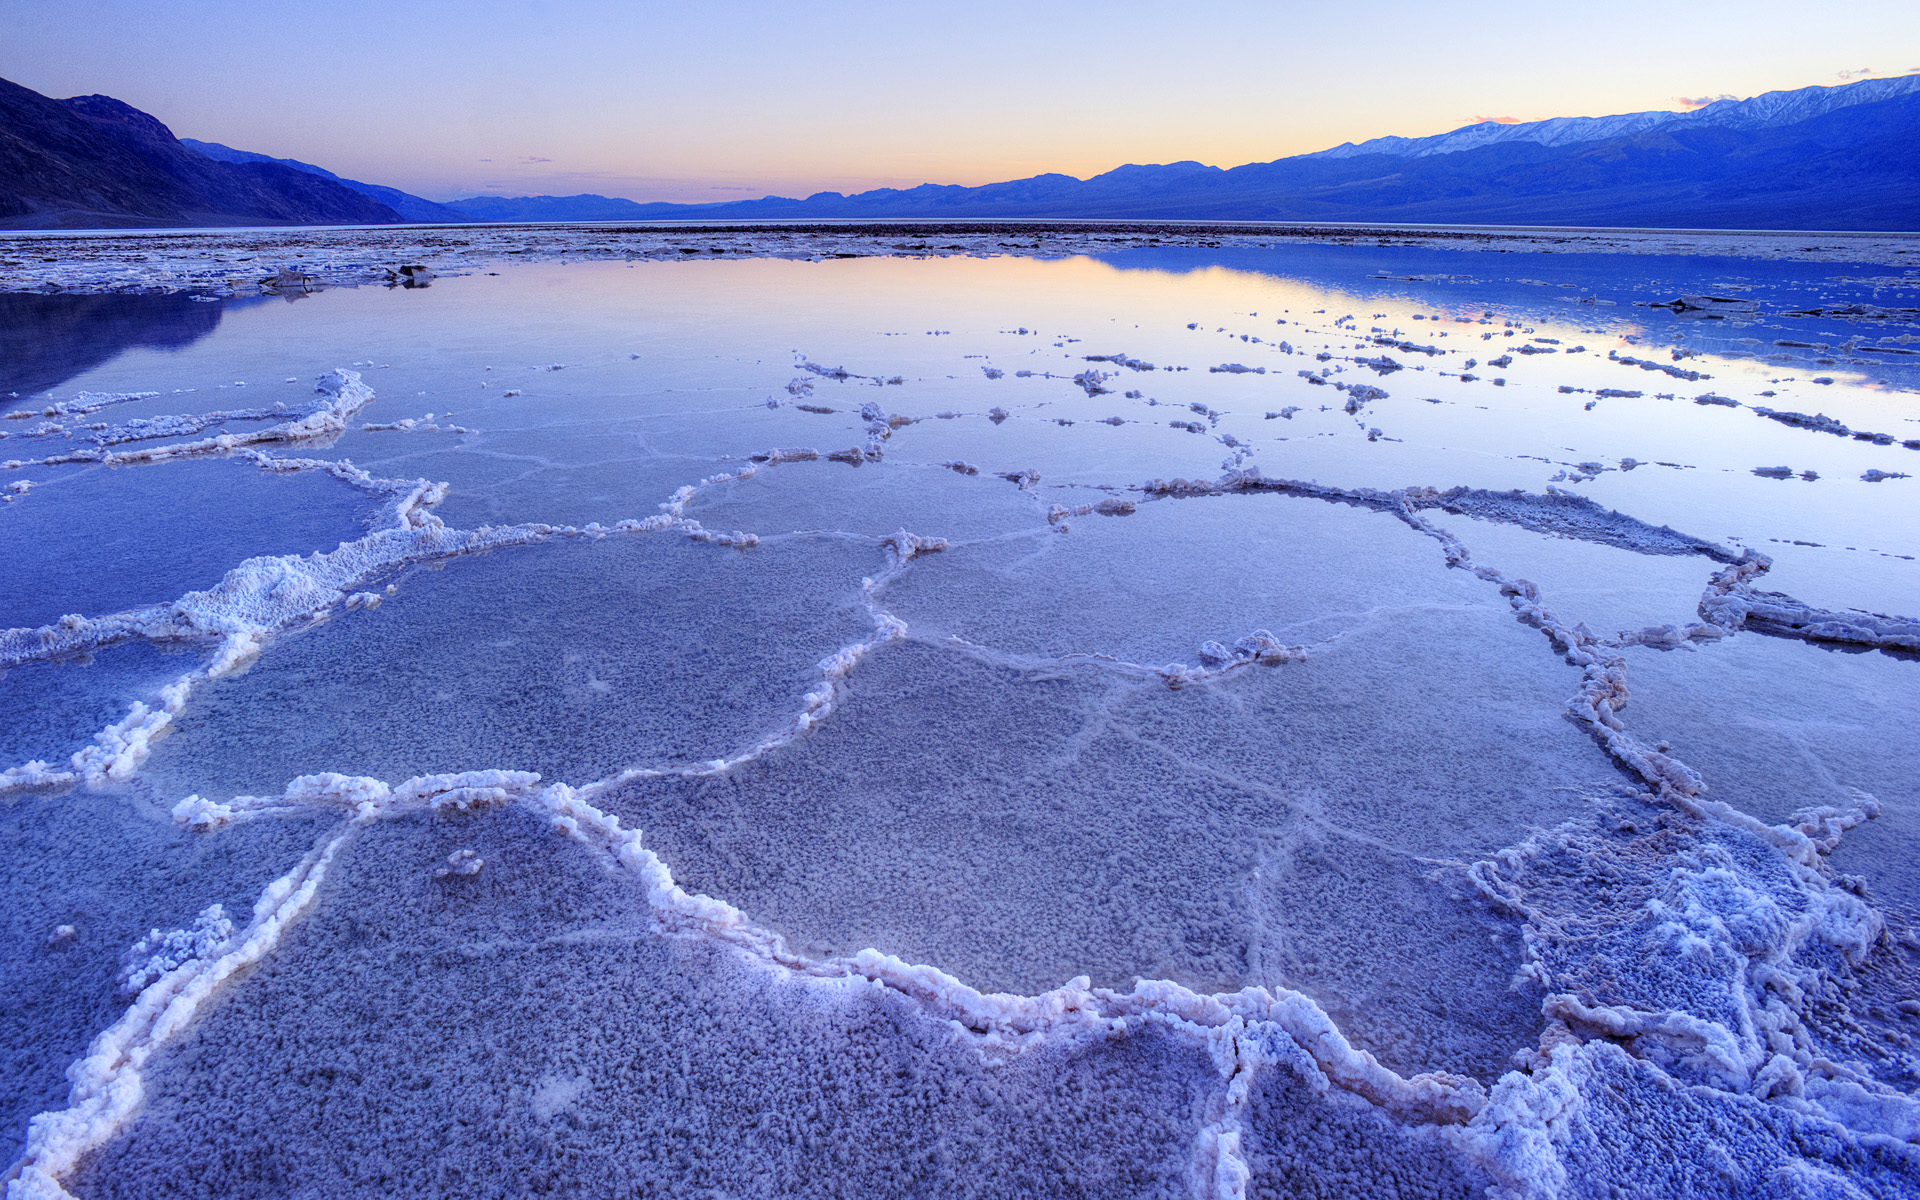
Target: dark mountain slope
pixel 410 207
pixel 93 162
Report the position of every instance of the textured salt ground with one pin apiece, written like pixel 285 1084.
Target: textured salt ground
pixel 1636 904
pixel 1775 726
pixel 1609 589
pixel 523 1031
pixel 1635 1134
pixel 114 867
pixel 872 499
pixel 1218 835
pixel 1856 1017
pixel 109 539
pixel 1151 587
pixel 1366 912
pixel 574 659
pixel 1303 1143
pixel 1639 905
pixel 54 708
pixel 1410 963
pixel 1040 851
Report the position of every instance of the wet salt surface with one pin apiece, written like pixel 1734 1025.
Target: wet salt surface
pixel 1011 728
pixel 101 539
pixel 629 1061
pixel 55 706
pixel 86 877
pixel 666 651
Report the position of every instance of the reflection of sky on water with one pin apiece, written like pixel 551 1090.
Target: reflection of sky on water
pixel 644 346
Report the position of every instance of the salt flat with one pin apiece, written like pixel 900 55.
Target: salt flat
pixel 1013 710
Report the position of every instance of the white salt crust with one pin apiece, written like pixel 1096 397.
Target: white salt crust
pixel 1745 1040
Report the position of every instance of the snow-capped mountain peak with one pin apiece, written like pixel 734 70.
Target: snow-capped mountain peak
pixel 1758 112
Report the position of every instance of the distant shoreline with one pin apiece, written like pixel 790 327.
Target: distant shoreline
pixel 239 261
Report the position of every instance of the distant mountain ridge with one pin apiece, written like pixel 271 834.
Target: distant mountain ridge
pixel 93 161
pixel 1769 110
pixel 1840 157
pixel 584 207
pixel 410 207
pixel 1845 157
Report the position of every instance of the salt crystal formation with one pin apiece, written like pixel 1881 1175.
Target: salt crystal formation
pixel 697 769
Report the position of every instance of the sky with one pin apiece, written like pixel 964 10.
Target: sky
pixel 731 99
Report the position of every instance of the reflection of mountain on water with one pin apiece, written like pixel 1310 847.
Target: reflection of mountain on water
pixel 47 340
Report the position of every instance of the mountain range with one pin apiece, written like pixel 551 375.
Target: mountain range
pixel 1845 157
pixel 94 162
pixel 409 207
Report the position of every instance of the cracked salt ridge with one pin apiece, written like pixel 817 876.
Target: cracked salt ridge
pixel 269 595
pixel 54 708
pixel 108 1083
pixel 341 393
pixel 1807 835
pixel 514 656
pixel 109 868
pixel 1359 900
pixel 1833 577
pixel 261 597
pixel 1219 1138
pixel 1519 1152
pixel 1749 1040
pixel 1741 955
pixel 1729 604
pixel 1733 602
pixel 98 436
pixel 662 1064
pixel 907 546
pixel 101 540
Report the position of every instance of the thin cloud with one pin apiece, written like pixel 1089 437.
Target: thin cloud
pixel 1861 73
pixel 1691 103
pixel 1496 120
pixel 534 159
